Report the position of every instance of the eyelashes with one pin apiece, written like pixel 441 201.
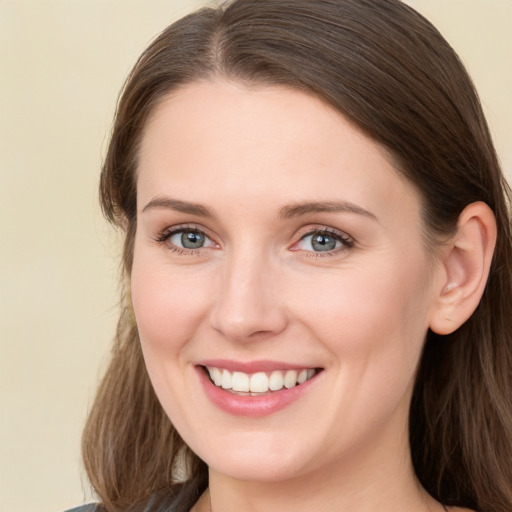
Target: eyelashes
pixel 323 242
pixel 185 239
pixel 313 241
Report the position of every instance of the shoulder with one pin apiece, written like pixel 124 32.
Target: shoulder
pixel 180 498
pixel 90 507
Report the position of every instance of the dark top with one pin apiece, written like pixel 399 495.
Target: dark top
pixel 180 499
pixel 91 507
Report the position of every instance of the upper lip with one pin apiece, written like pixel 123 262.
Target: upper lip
pixel 253 366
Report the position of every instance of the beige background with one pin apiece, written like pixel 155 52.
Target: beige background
pixel 61 66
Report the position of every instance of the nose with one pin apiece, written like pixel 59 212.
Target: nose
pixel 247 303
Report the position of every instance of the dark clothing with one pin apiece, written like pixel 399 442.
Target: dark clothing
pixel 91 507
pixel 180 498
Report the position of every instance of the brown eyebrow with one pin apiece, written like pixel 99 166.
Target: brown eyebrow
pixel 295 210
pixel 179 206
pixel 324 207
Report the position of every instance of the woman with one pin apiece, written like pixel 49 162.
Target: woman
pixel 317 258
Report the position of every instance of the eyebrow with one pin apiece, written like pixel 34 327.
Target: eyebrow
pixel 300 209
pixel 179 206
pixel 287 212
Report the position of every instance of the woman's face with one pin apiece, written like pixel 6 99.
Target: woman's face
pixel 277 244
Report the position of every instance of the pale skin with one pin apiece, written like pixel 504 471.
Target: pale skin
pixel 257 172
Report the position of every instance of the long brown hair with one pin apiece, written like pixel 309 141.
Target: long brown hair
pixel 389 70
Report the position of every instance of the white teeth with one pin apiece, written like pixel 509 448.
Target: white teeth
pixel 290 379
pixel 240 381
pixel 276 381
pixel 302 376
pixel 259 382
pixel 226 381
pixel 216 376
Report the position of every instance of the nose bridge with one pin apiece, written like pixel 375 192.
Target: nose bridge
pixel 247 303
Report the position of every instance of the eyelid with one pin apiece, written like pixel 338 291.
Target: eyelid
pixel 163 236
pixel 347 240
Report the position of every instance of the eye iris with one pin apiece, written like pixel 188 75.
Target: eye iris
pixel 323 242
pixel 192 239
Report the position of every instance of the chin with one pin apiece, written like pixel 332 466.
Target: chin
pixel 260 470
pixel 266 457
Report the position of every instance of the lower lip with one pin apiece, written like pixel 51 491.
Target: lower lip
pixel 252 406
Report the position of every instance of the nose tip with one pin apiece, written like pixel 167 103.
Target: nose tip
pixel 245 327
pixel 247 307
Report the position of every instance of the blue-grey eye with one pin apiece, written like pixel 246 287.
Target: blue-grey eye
pixel 319 242
pixel 189 239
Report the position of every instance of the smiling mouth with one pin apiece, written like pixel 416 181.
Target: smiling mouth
pixel 259 383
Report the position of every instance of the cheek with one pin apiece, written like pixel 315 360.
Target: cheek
pixel 168 309
pixel 374 328
pixel 368 313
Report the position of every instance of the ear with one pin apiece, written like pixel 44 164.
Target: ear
pixel 464 268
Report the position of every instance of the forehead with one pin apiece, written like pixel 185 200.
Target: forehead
pixel 212 139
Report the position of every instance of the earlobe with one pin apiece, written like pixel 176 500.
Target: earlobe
pixel 465 264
